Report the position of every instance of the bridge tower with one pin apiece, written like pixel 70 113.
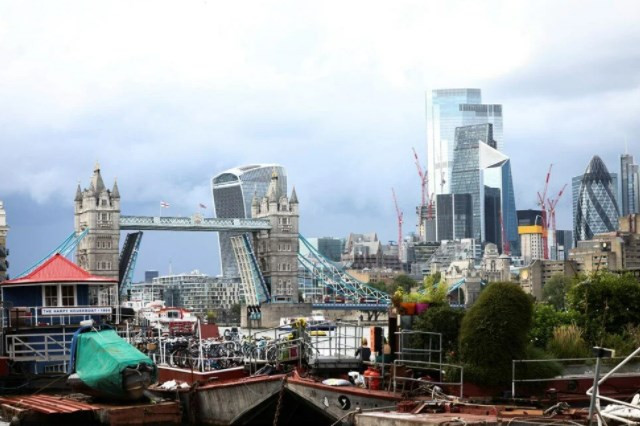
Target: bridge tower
pixel 277 248
pixel 98 209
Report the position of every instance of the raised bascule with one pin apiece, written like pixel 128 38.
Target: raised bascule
pixel 267 251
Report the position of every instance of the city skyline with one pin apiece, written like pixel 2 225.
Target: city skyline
pixel 337 99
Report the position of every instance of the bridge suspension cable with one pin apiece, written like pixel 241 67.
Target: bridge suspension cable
pixel 65 248
pixel 332 277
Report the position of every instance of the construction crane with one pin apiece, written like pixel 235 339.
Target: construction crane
pixel 426 199
pixel 423 180
pixel 552 212
pixel 542 200
pixel 399 215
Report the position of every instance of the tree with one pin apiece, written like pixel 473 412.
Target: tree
pixel 546 319
pixel 494 332
pixel 607 303
pixel 445 320
pixel 379 285
pixel 555 290
pixel 404 281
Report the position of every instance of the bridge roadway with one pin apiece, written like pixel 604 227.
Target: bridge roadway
pixel 193 223
pixel 382 307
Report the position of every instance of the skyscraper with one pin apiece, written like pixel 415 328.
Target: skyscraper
pixel 455 216
pixel 233 191
pixel 446 110
pixel 478 165
pixel 630 185
pixel 596 207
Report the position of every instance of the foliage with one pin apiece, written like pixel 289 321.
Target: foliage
pixel 494 332
pixel 624 343
pixel 545 319
pixel 568 342
pixel 211 317
pixel 412 297
pixel 405 282
pixel 235 310
pixel 445 320
pixel 607 303
pixel 555 290
pixel 538 370
pixel 379 285
pixel 397 298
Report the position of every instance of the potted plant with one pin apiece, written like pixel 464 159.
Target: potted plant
pixel 409 303
pixel 423 303
pixel 396 300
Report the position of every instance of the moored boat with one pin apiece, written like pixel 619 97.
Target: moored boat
pixel 105 365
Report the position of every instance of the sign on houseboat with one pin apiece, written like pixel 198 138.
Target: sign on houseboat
pixel 84 310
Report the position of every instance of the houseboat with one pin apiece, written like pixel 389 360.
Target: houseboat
pixel 42 310
pixel 313 322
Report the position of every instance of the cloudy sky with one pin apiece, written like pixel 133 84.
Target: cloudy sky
pixel 166 94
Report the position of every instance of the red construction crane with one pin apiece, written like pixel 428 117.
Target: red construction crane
pixel 542 198
pixel 399 214
pixel 552 211
pixel 425 198
pixel 423 179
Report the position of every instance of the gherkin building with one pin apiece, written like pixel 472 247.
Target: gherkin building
pixel 597 209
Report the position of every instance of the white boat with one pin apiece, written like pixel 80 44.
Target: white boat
pixel 313 322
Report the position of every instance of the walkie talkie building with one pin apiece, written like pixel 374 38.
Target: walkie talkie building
pixel 233 191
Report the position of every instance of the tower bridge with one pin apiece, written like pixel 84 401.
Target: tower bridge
pixel 268 255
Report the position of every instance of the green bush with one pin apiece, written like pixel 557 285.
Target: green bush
pixel 567 342
pixel 494 332
pixel 545 319
pixel 444 320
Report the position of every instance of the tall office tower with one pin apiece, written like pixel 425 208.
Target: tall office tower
pixel 446 110
pixel 232 192
pixel 477 165
pixel 4 252
pixel 455 216
pixel 596 207
pixel 576 181
pixel 630 185
pixel 492 209
pixel 564 243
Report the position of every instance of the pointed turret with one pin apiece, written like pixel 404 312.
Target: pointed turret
pixel 273 192
pixel 115 193
pixel 78 193
pixel 294 197
pixel 96 179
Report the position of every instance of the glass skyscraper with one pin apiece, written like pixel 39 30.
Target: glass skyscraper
pixel 630 185
pixel 478 165
pixel 233 190
pixel 455 217
pixel 596 208
pixel 448 109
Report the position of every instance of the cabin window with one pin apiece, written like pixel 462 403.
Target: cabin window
pixel 68 295
pixel 51 295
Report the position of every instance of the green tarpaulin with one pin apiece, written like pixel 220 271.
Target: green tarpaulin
pixel 102 356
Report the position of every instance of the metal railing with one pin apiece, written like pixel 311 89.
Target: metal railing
pixel 421 367
pixel 38 347
pixel 572 368
pixel 419 346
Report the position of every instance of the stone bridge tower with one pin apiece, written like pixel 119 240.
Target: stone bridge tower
pixel 277 249
pixel 98 209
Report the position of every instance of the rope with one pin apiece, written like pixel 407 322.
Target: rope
pixel 277 416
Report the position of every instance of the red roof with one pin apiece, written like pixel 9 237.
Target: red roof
pixel 58 269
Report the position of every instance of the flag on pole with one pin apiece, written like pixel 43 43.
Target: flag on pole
pixel 202 206
pixel 164 205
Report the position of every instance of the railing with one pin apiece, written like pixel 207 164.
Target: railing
pixel 572 368
pixel 38 347
pixel 417 384
pixel 419 346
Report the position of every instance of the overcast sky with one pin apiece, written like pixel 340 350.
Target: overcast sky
pixel 167 94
